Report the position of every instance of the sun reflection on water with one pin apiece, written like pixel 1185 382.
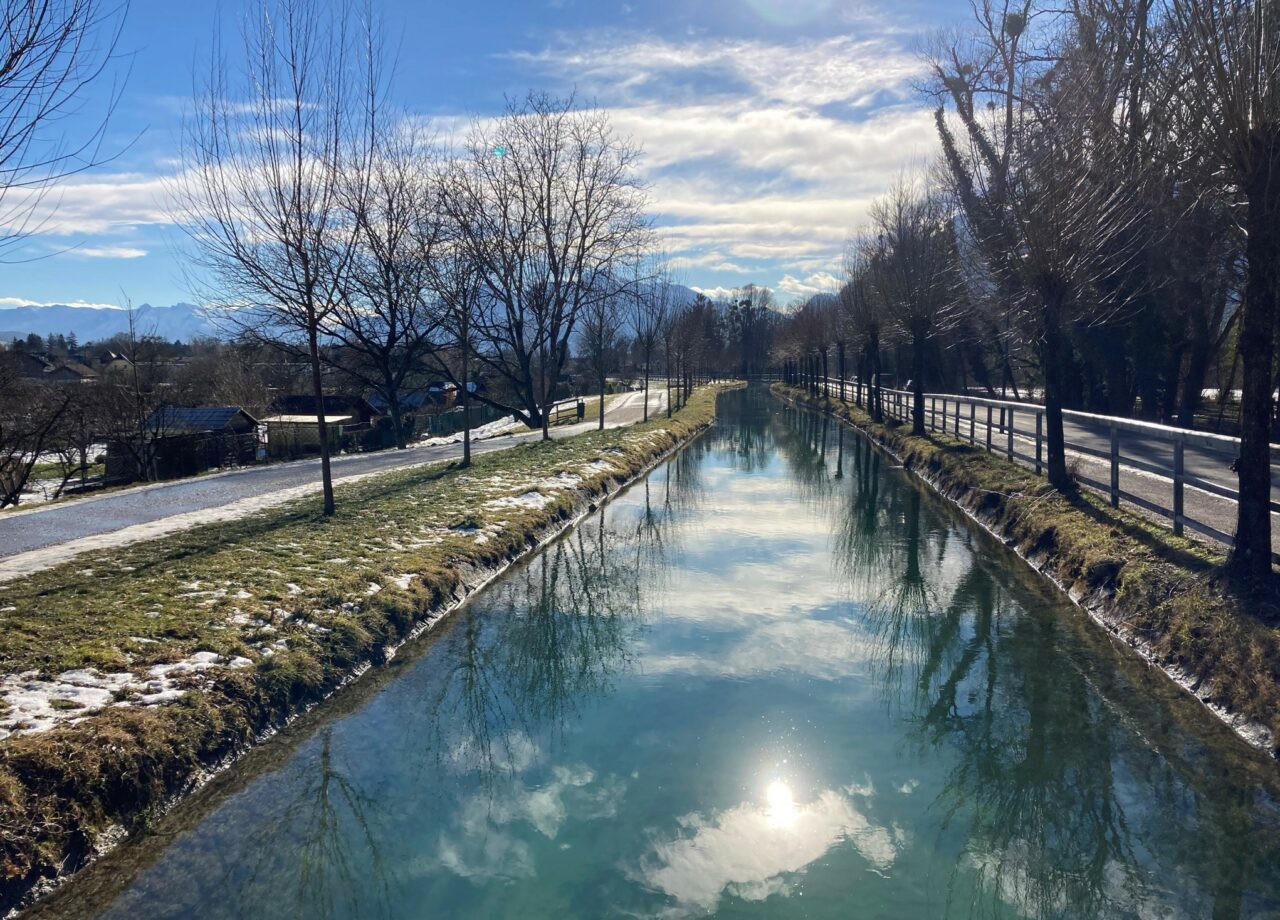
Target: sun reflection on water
pixel 782 804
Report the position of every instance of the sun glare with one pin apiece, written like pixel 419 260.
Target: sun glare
pixel 782 805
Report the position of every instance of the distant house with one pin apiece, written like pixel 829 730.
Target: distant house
pixel 32 367
pixel 71 372
pixel 356 408
pixel 290 435
pixel 172 421
pixel 112 362
pixel 183 441
pixel 435 397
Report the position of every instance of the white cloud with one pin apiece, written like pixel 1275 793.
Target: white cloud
pixel 748 850
pixel 757 152
pixel 817 283
pixel 110 252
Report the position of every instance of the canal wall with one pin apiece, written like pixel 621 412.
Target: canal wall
pixel 1165 597
pixel 73 788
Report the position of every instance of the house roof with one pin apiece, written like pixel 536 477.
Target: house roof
pixel 304 419
pixel 170 420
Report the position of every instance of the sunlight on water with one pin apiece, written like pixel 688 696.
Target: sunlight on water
pixel 782 805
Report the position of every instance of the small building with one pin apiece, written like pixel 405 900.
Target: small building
pixel 292 435
pixel 183 441
pixel 71 372
pixel 357 408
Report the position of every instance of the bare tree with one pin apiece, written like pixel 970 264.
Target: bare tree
pixel 52 51
pixel 456 284
pixel 386 319
pixel 544 203
pixel 261 194
pixel 866 316
pixel 651 304
pixel 1047 188
pixel 912 268
pixel 1226 72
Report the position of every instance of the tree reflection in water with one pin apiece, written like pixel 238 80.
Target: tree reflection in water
pixel 519 664
pixel 1062 778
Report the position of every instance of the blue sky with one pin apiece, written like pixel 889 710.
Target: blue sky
pixel 767 125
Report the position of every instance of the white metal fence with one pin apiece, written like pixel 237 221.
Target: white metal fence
pixel 1171 460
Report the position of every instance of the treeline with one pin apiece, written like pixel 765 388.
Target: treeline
pixel 1103 225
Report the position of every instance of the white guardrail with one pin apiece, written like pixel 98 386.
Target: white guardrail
pixel 993 424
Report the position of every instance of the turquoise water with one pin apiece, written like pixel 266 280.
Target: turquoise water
pixel 773 679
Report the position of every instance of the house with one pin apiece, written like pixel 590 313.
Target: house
pixel 356 408
pixel 112 362
pixel 289 435
pixel 71 372
pixel 32 366
pixel 183 441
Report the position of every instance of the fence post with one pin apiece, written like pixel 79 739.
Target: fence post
pixel 956 430
pixel 988 429
pixel 1039 427
pixel 1115 467
pixel 973 411
pixel 1009 433
pixel 1178 467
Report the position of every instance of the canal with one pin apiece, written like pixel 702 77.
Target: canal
pixel 775 678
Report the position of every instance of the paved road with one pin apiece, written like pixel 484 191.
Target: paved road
pixel 180 502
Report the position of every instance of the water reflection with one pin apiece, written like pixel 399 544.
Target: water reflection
pixel 1065 782
pixel 776 678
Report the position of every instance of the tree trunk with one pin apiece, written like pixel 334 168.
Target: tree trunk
pixel 1251 555
pixel 917 383
pixel 600 420
pixel 466 396
pixel 322 427
pixel 1193 383
pixel 647 356
pixel 1052 362
pixel 840 367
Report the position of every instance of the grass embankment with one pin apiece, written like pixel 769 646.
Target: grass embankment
pixel 1163 594
pixel 264 616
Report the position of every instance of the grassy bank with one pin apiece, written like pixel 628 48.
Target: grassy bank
pixel 1162 594
pixel 125 676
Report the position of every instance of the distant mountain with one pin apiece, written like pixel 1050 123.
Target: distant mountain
pixel 182 321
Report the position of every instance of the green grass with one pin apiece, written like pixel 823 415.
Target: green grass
pixel 225 588
pixel 1168 592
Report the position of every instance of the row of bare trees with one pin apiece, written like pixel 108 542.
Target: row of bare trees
pixel 1102 226
pixel 322 215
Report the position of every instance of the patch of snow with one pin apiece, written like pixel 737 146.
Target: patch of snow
pixel 532 500
pixel 402 581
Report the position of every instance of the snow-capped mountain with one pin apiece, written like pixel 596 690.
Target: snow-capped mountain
pixel 182 321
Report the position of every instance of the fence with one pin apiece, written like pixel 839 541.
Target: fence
pixel 994 425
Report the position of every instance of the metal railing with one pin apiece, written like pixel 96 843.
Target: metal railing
pixel 1017 431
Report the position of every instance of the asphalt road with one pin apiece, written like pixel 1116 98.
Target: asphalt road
pixel 45 526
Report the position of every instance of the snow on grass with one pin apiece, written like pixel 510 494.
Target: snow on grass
pixel 30 704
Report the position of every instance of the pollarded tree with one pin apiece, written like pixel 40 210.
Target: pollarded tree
pixel 912 267
pixel 1048 189
pixel 1226 72
pixel 545 204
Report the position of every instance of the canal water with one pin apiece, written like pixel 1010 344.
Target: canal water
pixel 776 678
